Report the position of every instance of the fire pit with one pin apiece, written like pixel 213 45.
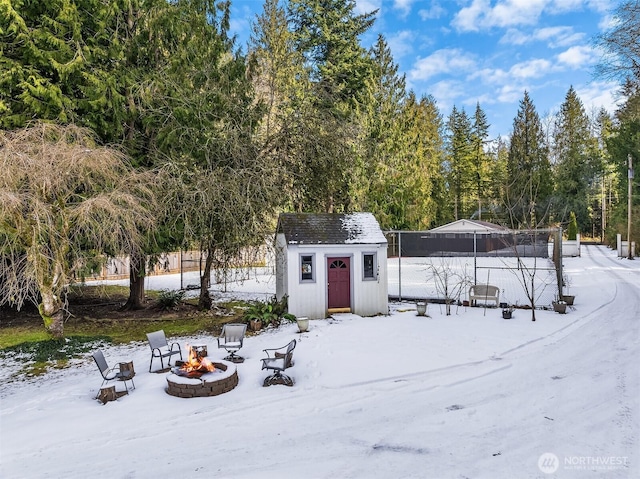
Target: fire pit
pixel 199 377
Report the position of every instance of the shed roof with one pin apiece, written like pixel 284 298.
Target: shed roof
pixel 330 228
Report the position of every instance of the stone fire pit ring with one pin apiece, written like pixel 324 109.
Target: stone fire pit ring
pixel 222 380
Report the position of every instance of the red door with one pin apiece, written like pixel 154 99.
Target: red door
pixel 339 283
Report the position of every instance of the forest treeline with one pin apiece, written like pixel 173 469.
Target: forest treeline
pixel 140 126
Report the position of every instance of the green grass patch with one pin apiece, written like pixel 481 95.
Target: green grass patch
pixel 56 349
pixel 28 341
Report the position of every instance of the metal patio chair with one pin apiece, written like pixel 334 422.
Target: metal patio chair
pixel 115 373
pixel 231 338
pixel 278 360
pixel 160 348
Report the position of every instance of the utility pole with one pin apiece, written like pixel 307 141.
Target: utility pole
pixel 630 178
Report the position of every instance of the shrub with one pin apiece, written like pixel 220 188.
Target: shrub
pixel 170 298
pixel 269 312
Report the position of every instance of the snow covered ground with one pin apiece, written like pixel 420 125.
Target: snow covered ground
pixel 464 396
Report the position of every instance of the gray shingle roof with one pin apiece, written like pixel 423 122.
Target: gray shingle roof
pixel 330 228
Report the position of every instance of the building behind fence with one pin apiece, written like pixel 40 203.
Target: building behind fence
pixel 414 256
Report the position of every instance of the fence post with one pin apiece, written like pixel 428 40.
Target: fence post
pixel 399 266
pixel 475 257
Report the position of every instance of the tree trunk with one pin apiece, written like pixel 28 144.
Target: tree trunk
pixel 51 312
pixel 205 283
pixel 136 283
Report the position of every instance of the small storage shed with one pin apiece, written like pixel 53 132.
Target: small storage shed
pixel 328 263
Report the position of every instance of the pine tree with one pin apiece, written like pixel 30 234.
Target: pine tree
pixel 384 136
pixel 479 138
pixel 459 162
pixel 529 170
pixel 573 146
pixel 330 151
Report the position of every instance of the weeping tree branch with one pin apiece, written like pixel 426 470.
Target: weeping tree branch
pixel 63 198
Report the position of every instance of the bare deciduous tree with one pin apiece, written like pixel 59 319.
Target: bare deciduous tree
pixel 621 44
pixel 63 198
pixel 450 280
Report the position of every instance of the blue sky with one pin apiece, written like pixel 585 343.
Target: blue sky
pixel 489 51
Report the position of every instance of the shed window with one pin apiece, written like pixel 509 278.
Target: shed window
pixel 307 267
pixel 369 266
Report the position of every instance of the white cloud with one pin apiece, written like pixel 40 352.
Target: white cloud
pixel 447 60
pixel 467 18
pixel 480 14
pixel 531 69
pixel 495 76
pixel 553 36
pixel 403 5
pixel 446 92
pixel 510 93
pixel 560 6
pixel 599 94
pixel 434 11
pixel 514 36
pixel 401 43
pixel 577 56
pixel 367 6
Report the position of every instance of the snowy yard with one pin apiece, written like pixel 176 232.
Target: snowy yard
pixel 401 396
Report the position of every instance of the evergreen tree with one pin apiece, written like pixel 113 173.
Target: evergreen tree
pixel 624 141
pixel 498 183
pixel 52 54
pixel 529 170
pixel 330 151
pixel 459 162
pixel 572 147
pixel 423 128
pixel 479 138
pixel 604 195
pixel 385 140
pixel 327 33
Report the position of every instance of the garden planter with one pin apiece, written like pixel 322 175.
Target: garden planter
pixel 421 306
pixel 255 325
pixel 560 307
pixel 569 299
pixel 303 324
pixel 507 313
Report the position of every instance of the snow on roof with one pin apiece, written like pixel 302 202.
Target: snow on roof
pixel 330 228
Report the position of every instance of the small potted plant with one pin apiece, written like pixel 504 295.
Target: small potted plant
pixel 507 312
pixel 260 314
pixel 560 306
pixel 568 298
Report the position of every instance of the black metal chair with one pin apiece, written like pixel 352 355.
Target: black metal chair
pixel 115 373
pixel 160 348
pixel 231 338
pixel 278 360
